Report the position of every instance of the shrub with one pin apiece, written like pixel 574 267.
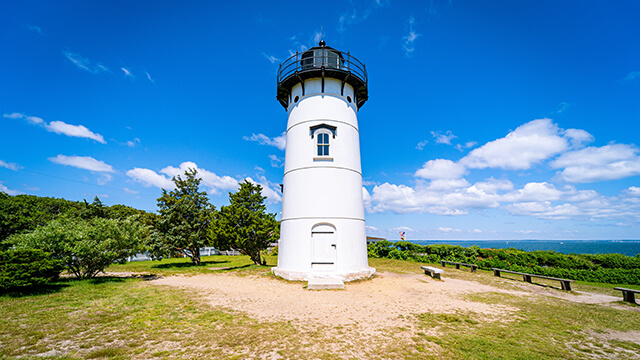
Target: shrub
pixel 27 267
pixel 85 247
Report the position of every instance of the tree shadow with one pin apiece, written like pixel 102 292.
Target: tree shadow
pixel 36 290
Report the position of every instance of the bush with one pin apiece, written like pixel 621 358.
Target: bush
pixel 85 247
pixel 27 267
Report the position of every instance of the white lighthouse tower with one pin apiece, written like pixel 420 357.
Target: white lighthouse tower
pixel 322 232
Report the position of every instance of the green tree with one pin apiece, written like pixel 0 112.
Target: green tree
pixel 85 247
pixel 22 213
pixel 245 225
pixel 28 267
pixel 185 214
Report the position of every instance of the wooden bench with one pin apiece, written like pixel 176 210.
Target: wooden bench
pixel 433 272
pixel 628 294
pixel 458 264
pixel 566 283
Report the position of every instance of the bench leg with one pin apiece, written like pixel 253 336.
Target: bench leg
pixel 629 296
pixel 566 285
pixel 526 278
pixel 458 266
pixel 442 263
pixel 436 276
pixel 496 272
pixel 474 268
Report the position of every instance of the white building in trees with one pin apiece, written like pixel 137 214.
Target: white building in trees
pixel 323 226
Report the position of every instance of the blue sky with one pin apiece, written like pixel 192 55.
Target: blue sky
pixel 486 120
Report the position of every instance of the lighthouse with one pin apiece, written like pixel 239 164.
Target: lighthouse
pixel 322 233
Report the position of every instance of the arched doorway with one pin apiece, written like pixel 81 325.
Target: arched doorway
pixel 323 247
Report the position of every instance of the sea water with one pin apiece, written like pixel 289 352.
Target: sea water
pixel 625 247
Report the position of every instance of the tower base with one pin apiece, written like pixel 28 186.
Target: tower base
pixel 306 276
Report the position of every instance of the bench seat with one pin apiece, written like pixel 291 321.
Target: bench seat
pixel 566 283
pixel 628 294
pixel 458 264
pixel 433 272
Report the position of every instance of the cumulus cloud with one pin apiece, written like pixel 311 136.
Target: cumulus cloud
pixel 447 229
pixel 6 190
pixel 84 63
pixel 148 178
pixel 59 127
pixel 83 162
pixel 210 180
pixel 591 164
pixel 268 189
pixel 10 166
pixel 578 138
pixel 279 141
pixel 441 169
pixel 522 148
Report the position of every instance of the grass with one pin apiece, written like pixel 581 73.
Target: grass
pixel 123 318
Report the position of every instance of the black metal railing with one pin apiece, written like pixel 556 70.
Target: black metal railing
pixel 319 59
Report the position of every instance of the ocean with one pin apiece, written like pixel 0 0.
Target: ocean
pixel 625 247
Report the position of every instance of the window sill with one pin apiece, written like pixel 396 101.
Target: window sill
pixel 323 158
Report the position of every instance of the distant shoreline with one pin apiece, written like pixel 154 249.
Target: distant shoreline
pixel 625 247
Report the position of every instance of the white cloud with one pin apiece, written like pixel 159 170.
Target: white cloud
pixel 408 41
pixel 210 180
pixel 467 145
pixel 443 138
pixel 421 144
pixel 149 178
pixel 268 189
pixel 632 75
pixel 60 127
pixel 133 143
pixel 477 231
pixel 5 189
pixel 535 192
pixel 441 169
pixel 544 210
pixel 276 161
pixel 279 141
pixel 527 145
pixel 149 77
pixel 371 228
pixel 272 59
pixel 34 28
pixel 84 63
pixel 447 230
pixel 129 191
pixel 526 231
pixel 127 72
pixel 83 162
pixel 14 116
pixel 10 166
pixel 591 164
pixel 578 137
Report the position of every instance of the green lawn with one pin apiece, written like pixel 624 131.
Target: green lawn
pixel 123 318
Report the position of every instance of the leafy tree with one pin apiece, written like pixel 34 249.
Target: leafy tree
pixel 21 213
pixel 245 225
pixel 185 214
pixel 29 267
pixel 85 247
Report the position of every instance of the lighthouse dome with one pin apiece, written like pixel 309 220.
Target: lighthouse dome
pixel 322 62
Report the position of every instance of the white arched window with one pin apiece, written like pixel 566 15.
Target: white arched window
pixel 323 134
pixel 322 141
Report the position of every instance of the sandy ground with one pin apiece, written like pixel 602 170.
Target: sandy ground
pixel 372 305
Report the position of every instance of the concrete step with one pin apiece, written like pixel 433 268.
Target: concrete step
pixel 325 284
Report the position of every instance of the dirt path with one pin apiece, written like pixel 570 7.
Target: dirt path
pixel 371 305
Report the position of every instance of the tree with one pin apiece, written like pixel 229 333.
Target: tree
pixel 85 247
pixel 185 214
pixel 245 225
pixel 28 267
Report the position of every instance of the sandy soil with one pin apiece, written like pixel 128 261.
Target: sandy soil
pixel 372 305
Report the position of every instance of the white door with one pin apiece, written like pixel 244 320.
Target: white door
pixel 323 240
